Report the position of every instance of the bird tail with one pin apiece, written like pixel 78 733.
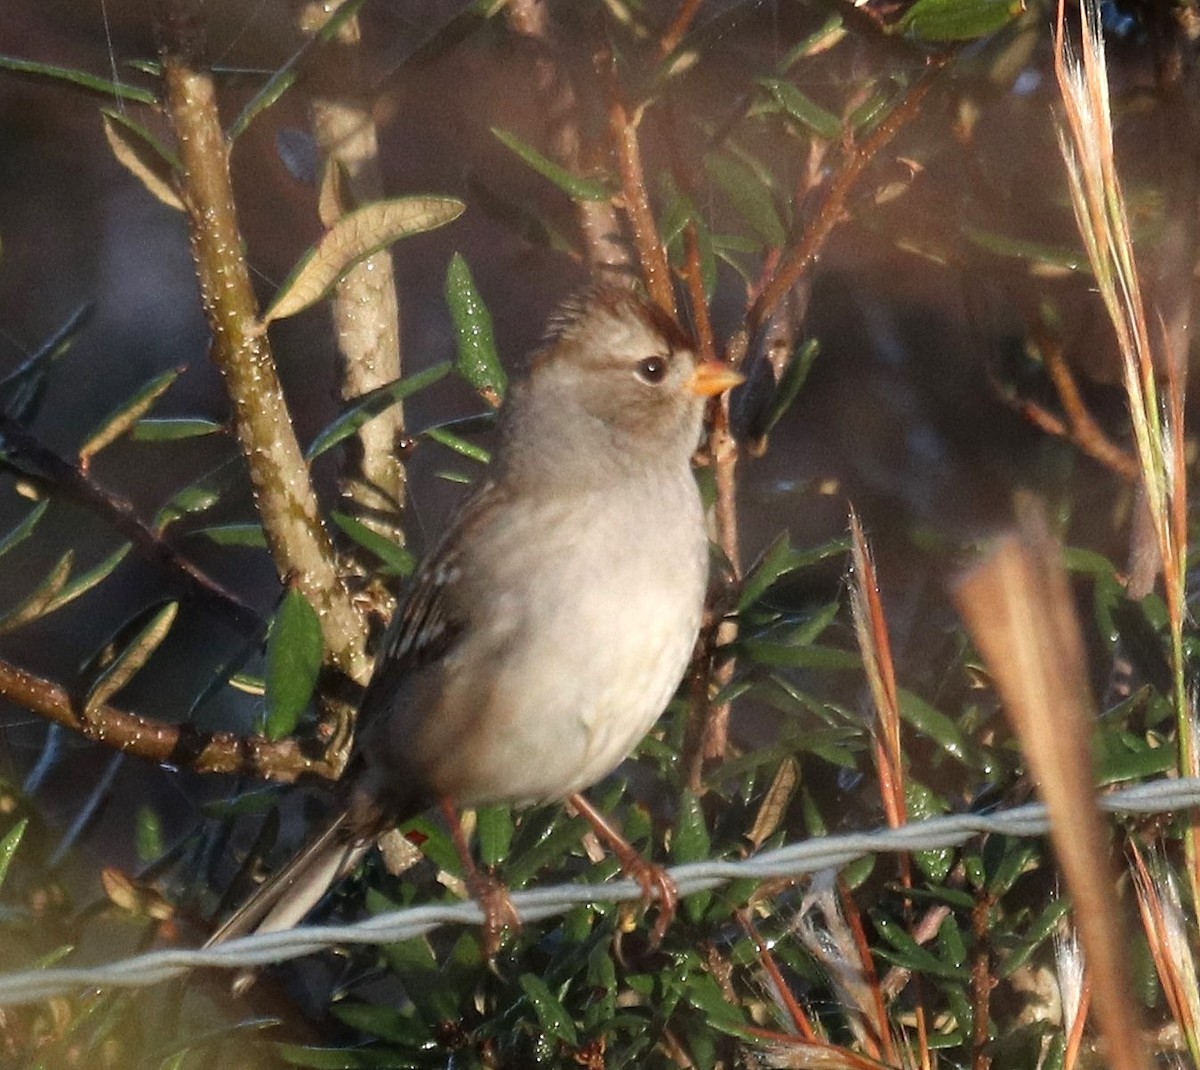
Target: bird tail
pixel 290 894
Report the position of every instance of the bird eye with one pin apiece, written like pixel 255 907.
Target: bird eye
pixel 652 369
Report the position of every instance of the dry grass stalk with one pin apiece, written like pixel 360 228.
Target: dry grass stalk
pixel 1018 608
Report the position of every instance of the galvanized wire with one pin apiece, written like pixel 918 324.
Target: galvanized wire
pixel 793 860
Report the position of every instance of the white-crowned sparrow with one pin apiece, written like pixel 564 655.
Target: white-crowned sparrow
pixel 548 629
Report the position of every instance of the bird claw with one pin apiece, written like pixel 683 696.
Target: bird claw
pixel 657 887
pixel 500 916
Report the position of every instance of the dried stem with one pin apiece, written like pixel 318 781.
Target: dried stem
pixel 177 744
pixel 606 252
pixel 365 309
pixel 688 9
pixel 286 500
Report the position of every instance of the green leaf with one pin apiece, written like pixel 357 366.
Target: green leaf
pixel 131 659
pixel 279 83
pixel 294 649
pixel 803 109
pixel 494 830
pixel 373 1058
pixel 581 189
pixel 552 1015
pixel 445 437
pixel 396 558
pixel 384 1022
pixel 1062 258
pixel 800 657
pixel 353 238
pixel 39 601
pixel 922 803
pixel 90 82
pixel 25 528
pixel 371 404
pixel 749 195
pixel 122 419
pixel 958 20
pixel 690 842
pixel 173 428
pixel 21 391
pixel 85 581
pixel 148 834
pixel 478 362
pixel 9 844
pixel 794 377
pixel 249 534
pixel 931 722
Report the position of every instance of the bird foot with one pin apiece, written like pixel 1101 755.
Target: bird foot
pixel 655 882
pixel 500 916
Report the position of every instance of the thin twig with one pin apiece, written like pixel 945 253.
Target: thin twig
pixel 688 9
pixel 798 258
pixel 652 257
pixel 180 745
pixel 80 487
pixel 606 252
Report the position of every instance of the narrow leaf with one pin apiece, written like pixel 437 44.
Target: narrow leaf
pixel 278 84
pixel 353 238
pixel 144 156
pixel 478 361
pixel 803 109
pixel 250 534
pixel 749 195
pixel 85 581
pixel 113 426
pixel 91 82
pixel 552 1015
pixel 127 664
pixel 38 602
pixel 371 405
pixel 294 649
pixel 394 556
pixel 494 831
pixel 25 528
pixel 9 844
pixel 173 428
pixel 793 381
pixel 581 189
pixel 445 437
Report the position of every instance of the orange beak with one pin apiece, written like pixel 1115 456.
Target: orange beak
pixel 714 377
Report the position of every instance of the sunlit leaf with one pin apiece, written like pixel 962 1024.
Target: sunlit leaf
pixel 478 362
pixel 395 557
pixel 144 156
pixel 131 659
pixel 25 528
pixel 174 428
pixel 294 650
pixel 37 603
pixel 371 405
pixel 9 844
pixel 118 422
pixel 85 581
pixel 249 534
pixel 353 238
pixel 494 831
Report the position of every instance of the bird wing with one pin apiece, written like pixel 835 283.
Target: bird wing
pixel 427 624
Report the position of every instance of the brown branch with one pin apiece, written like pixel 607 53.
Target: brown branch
pixel 284 493
pixel 688 9
pixel 73 482
pixel 802 254
pixel 606 252
pixel 175 744
pixel 652 257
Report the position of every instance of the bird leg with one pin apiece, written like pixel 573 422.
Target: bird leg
pixel 486 889
pixel 655 881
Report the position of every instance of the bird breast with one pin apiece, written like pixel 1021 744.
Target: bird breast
pixel 565 670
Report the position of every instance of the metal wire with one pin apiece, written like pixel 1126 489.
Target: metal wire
pixel 794 860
